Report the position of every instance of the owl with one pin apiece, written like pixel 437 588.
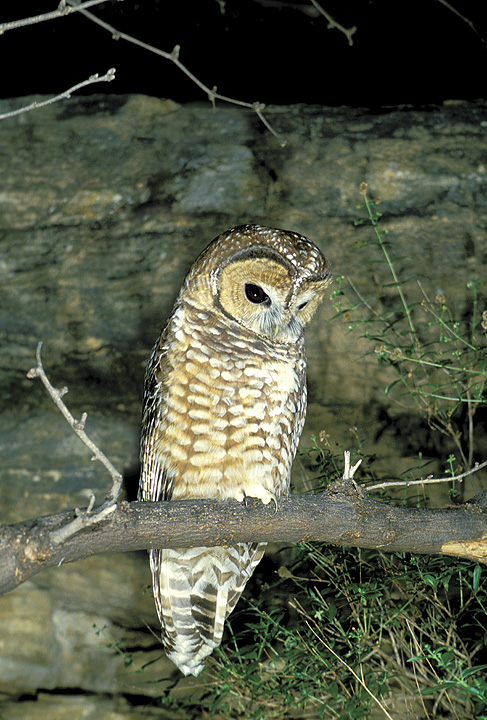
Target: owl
pixel 224 407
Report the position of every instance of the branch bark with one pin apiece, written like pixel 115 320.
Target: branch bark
pixel 343 515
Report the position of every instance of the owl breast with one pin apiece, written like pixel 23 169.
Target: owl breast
pixel 233 407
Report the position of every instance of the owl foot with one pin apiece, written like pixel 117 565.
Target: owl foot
pixel 257 491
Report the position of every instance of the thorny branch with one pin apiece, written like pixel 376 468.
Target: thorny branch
pixel 67 7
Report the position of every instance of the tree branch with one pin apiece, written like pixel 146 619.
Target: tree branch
pixel 61 11
pixel 332 23
pixel 173 57
pixel 344 515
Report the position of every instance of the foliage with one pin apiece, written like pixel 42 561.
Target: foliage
pixel 439 360
pixel 348 634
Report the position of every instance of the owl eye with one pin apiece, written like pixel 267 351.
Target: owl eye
pixel 255 294
pixel 303 305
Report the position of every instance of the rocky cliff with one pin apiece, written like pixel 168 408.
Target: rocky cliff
pixel 104 203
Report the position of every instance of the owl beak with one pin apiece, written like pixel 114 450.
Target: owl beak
pixel 276 330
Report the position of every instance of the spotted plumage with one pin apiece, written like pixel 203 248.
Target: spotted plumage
pixel 224 407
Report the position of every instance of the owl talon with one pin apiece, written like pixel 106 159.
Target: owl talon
pixel 257 491
pixel 240 496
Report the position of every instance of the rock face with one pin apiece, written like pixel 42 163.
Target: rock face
pixel 104 203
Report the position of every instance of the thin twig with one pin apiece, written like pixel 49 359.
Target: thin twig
pixel 83 519
pixel 108 77
pixel 78 427
pixel 61 11
pixel 470 412
pixel 174 58
pixel 428 480
pixel 465 20
pixel 367 305
pixel 332 23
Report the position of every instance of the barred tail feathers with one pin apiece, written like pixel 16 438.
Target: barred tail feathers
pixel 195 589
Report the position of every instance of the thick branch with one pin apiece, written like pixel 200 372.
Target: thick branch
pixel 343 515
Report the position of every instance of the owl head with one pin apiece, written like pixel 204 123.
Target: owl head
pixel 267 280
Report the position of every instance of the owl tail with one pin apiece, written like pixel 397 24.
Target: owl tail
pixel 195 589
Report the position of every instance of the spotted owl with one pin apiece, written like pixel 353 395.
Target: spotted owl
pixel 224 407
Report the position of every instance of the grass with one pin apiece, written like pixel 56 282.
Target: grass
pixel 350 634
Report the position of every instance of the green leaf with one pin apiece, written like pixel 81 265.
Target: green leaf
pixel 476 578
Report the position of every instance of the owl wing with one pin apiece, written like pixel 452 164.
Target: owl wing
pixel 155 482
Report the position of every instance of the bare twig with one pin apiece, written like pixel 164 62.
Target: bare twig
pixel 83 519
pixel 108 77
pixel 61 11
pixel 349 472
pixel 332 23
pixel 78 427
pixel 465 19
pixel 174 58
pixel 428 480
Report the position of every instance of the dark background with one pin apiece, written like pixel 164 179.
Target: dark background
pixel 404 52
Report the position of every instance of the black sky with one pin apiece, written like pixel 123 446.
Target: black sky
pixel 413 52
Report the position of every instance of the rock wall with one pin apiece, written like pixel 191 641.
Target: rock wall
pixel 104 203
